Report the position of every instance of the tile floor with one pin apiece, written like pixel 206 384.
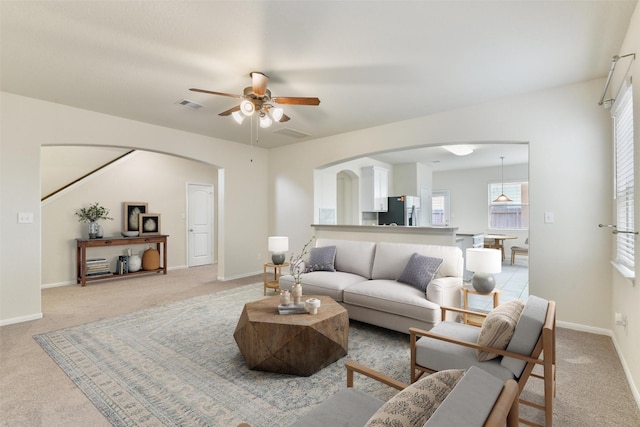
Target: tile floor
pixel 513 281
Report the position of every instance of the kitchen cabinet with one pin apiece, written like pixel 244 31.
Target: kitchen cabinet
pixel 374 189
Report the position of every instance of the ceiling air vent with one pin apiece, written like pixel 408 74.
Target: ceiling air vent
pixel 190 104
pixel 292 133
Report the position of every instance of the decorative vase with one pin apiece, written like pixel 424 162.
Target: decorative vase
pixel 151 259
pixel 100 233
pixel 296 291
pixel 312 305
pixel 93 229
pixel 134 263
pixel 285 297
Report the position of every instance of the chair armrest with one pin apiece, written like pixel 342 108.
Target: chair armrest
pixel 415 332
pixel 506 407
pixel 444 309
pixel 353 366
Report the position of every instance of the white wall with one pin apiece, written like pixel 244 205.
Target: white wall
pixel 157 179
pixel 626 296
pixel 27 124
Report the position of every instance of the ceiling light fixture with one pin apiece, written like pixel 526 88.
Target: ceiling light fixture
pixel 502 197
pixel 459 150
pixel 238 117
pixel 265 120
pixel 247 107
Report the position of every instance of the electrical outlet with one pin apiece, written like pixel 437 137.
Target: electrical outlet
pixel 549 217
pixel 25 217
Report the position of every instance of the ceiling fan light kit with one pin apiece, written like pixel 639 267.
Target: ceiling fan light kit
pixel 258 98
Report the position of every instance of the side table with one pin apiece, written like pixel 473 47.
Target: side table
pixel 468 289
pixel 277 272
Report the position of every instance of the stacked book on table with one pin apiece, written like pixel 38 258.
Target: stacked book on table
pixel 98 267
pixel 292 308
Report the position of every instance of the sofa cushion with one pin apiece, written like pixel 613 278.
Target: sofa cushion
pixel 470 402
pixel 323 283
pixel 527 332
pixel 321 259
pixel 498 327
pixel 438 355
pixel 389 296
pixel 352 256
pixel 419 271
pixel 413 406
pixel 391 259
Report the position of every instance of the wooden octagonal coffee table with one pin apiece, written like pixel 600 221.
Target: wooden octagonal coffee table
pixel 296 344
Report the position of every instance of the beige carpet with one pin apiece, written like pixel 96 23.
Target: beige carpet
pixel 592 389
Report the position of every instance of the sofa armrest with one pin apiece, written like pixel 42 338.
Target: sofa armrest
pixel 445 291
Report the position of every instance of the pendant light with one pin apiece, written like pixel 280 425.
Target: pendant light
pixel 502 197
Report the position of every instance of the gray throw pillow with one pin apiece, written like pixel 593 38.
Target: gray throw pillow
pixel 321 259
pixel 420 270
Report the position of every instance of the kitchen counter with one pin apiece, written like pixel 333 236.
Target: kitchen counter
pixel 388 233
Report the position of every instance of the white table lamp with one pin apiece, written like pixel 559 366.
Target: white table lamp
pixel 484 262
pixel 278 245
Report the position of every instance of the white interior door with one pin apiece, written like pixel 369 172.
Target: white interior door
pixel 200 224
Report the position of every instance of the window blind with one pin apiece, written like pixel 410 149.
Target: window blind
pixel 622 114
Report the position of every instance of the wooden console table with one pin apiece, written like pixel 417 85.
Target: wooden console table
pixel 81 254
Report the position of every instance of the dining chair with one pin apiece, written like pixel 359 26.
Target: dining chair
pixel 519 250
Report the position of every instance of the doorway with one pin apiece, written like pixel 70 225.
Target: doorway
pixel 199 224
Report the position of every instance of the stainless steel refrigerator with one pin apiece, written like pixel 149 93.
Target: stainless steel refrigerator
pixel 402 210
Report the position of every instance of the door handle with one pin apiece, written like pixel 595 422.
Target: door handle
pixel 191 230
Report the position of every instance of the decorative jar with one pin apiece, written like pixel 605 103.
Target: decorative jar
pixel 151 259
pixel 285 297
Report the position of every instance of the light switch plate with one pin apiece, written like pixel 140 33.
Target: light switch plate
pixel 25 217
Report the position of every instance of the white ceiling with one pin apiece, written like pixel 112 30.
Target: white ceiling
pixel 369 62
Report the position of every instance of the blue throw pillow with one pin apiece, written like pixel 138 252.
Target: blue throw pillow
pixel 420 270
pixel 321 259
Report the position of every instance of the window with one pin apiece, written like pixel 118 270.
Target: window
pixel 622 114
pixel 440 209
pixel 513 215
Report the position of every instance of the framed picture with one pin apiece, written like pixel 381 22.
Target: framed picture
pixel 149 223
pixel 130 215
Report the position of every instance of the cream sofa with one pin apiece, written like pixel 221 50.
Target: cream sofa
pixel 364 282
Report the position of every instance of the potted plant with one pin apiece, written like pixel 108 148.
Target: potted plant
pixel 91 215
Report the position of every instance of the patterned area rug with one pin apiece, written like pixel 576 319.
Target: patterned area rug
pixel 178 365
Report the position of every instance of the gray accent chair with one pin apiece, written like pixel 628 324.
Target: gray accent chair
pixel 452 345
pixel 478 400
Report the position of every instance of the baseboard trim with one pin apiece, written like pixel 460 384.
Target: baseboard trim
pixel 623 362
pixel 14 320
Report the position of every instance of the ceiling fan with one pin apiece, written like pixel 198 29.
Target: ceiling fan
pixel 257 98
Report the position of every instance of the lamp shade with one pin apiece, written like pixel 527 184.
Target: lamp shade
pixel 482 260
pixel 278 244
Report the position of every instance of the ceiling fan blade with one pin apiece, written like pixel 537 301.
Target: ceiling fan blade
pixel 210 92
pixel 296 100
pixel 259 81
pixel 229 111
pixel 284 118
